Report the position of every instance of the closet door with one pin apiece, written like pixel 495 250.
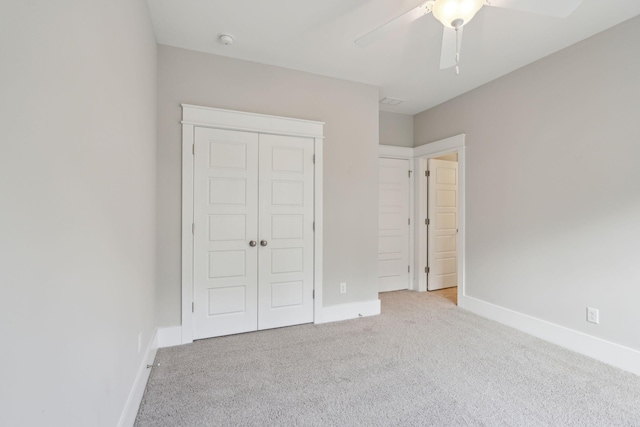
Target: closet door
pixel 286 231
pixel 393 225
pixel 226 227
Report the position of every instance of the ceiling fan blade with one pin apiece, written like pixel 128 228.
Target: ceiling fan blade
pixel 394 24
pixel 556 8
pixel 450 47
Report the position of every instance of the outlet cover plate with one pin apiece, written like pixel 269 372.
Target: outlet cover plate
pixel 593 315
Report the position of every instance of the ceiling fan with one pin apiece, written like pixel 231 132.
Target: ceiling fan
pixel 455 14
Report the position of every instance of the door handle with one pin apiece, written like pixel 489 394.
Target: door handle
pixel 263 243
pixel 252 243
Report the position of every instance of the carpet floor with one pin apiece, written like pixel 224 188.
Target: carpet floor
pixel 423 362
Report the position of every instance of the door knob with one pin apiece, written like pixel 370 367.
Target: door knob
pixel 252 243
pixel 263 243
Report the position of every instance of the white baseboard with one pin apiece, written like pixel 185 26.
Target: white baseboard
pixel 169 336
pixel 354 310
pixel 613 354
pixel 128 416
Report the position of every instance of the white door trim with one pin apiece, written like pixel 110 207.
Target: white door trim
pixel 393 152
pixel 197 116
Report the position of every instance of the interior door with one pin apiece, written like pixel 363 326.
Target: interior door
pixel 393 225
pixel 286 231
pixel 225 224
pixel 443 224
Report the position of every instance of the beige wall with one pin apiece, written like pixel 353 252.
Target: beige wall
pixel 553 185
pixel 396 129
pixel 451 157
pixel 77 208
pixel 350 111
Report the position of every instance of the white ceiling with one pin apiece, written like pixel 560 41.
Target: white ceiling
pixel 317 37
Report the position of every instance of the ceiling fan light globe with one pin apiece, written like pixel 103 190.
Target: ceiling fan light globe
pixel 456 13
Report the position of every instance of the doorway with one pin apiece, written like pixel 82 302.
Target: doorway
pixel 452 234
pixel 450 148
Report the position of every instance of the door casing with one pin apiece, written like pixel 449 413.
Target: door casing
pixel 196 116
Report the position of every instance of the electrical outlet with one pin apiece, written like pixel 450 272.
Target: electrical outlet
pixel 139 342
pixel 343 287
pixel 593 315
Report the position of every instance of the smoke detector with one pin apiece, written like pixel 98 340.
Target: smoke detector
pixel 225 39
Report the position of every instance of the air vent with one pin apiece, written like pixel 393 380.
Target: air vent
pixel 391 101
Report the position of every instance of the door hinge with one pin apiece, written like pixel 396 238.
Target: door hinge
pixel 314 226
pixel 193 149
pixel 410 174
pixel 427 221
pixel 427 173
pixel 313 295
pixel 193 228
pixel 193 307
pixel 408 269
pixel 409 221
pixel 427 270
pixel 314 159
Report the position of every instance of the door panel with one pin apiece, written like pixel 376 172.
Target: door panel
pixel 225 219
pixel 286 225
pixel 443 224
pixel 393 226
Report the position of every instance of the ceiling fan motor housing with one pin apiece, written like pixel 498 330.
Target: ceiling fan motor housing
pixel 456 13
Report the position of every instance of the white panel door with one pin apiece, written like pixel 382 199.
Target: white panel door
pixel 226 222
pixel 443 224
pixel 393 225
pixel 285 291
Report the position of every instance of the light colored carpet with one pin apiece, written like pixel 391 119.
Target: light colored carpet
pixel 422 362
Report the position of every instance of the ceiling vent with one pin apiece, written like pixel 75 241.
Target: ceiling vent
pixel 391 101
